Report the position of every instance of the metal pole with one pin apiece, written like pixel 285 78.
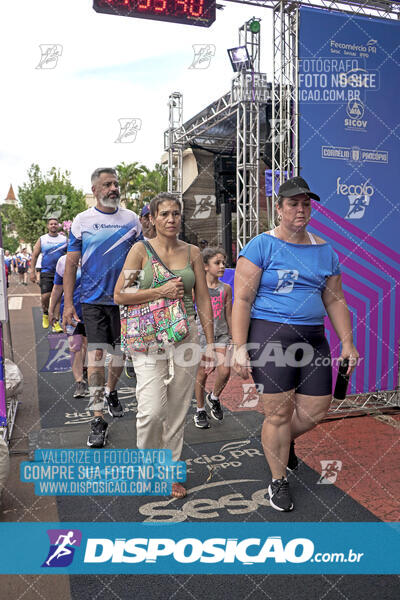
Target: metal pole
pixel 2 365
pixel 226 218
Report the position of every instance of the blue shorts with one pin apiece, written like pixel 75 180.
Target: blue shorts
pixel 286 357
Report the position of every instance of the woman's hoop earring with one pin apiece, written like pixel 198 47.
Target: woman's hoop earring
pixel 279 218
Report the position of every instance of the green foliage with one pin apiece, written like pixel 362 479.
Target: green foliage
pixel 154 182
pixel 129 177
pixel 43 196
pixel 7 227
pixel 139 185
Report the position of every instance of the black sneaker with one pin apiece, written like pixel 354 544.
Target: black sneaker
pixel 215 407
pixel 201 419
pixel 80 389
pixel 98 434
pixel 279 495
pixel 129 369
pixel 114 405
pixel 293 461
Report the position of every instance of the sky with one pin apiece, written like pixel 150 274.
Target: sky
pixel 109 68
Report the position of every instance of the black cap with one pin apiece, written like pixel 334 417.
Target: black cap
pixel 294 186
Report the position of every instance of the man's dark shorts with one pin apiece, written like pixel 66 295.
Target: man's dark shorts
pixel 102 324
pixel 80 329
pixel 46 282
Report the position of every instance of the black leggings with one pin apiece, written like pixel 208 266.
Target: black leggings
pixel 286 357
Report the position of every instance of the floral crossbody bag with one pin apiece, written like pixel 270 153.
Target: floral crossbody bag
pixel 157 325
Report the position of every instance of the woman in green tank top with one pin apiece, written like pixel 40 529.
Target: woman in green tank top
pixel 162 408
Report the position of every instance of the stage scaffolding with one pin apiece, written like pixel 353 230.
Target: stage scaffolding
pixel 249 90
pixel 174 144
pixel 383 9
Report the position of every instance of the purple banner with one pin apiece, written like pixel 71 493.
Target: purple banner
pixel 3 409
pixel 371 276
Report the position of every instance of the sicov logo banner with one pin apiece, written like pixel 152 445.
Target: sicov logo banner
pixel 349 73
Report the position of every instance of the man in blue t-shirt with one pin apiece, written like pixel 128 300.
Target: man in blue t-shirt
pixel 7 259
pixel 7 262
pixel 51 245
pixel 101 237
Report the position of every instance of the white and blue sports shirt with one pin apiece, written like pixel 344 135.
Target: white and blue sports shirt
pixel 52 247
pixel 104 240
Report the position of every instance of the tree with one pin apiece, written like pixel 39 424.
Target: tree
pixel 153 182
pixel 129 177
pixel 10 242
pixel 139 185
pixel 43 196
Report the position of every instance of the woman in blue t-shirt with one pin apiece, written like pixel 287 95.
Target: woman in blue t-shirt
pixel 286 281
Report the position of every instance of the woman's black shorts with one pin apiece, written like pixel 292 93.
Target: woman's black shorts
pixel 285 357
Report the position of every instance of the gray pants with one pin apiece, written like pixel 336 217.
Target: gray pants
pixel 162 408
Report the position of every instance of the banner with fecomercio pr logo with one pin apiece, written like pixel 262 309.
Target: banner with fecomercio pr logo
pixel 349 150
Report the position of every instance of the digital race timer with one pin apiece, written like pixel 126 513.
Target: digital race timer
pixel 188 12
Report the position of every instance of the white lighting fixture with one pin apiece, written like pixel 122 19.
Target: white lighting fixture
pixel 239 58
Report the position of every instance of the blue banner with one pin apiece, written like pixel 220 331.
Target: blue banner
pixel 349 85
pixel 227 548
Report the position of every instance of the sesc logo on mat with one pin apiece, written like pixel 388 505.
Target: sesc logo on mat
pixel 62 547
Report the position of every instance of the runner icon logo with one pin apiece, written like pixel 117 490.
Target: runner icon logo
pixel 357 206
pixel 62 547
pixel 203 53
pixel 329 471
pixel 251 393
pixel 204 205
pixel 128 130
pixel 50 54
pixel 285 284
pixel 59 358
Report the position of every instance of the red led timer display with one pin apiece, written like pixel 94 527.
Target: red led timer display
pixel 189 12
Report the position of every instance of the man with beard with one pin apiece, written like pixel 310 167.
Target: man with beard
pixel 101 236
